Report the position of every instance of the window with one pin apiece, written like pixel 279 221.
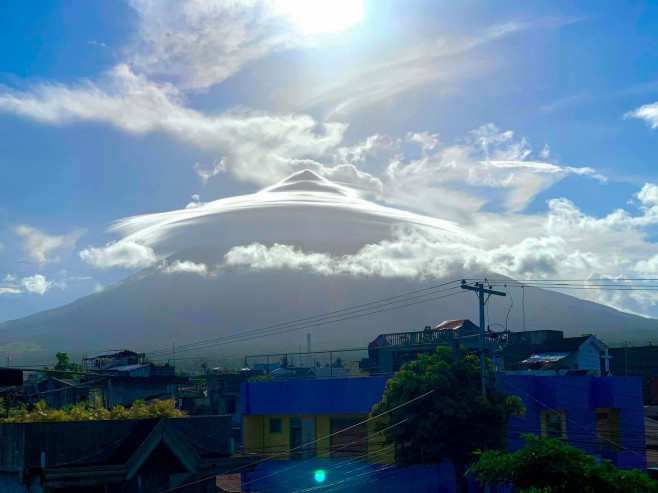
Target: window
pixel 607 428
pixel 553 424
pixel 275 425
pixel 348 437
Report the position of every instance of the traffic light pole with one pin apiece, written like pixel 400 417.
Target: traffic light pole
pixel 479 289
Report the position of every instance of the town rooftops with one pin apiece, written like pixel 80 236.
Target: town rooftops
pixel 567 344
pixel 112 353
pixel 464 324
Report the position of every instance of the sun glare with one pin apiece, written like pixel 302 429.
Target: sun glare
pixel 321 16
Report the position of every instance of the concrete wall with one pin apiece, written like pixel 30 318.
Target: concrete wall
pixel 310 397
pixel 580 397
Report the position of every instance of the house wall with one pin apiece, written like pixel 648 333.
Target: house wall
pixel 589 358
pixel 580 398
pixel 126 390
pixel 311 397
pixel 258 439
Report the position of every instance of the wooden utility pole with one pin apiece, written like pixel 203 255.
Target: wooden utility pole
pixel 479 289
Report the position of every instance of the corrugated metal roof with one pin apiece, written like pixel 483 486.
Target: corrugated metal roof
pixel 112 352
pixel 456 325
pixel 546 357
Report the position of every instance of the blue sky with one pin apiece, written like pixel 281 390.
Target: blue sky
pixel 532 125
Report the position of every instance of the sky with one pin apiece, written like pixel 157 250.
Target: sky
pixel 530 126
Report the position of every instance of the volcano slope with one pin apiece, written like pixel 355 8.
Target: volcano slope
pixel 301 248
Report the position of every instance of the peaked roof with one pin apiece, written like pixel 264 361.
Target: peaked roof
pixel 568 344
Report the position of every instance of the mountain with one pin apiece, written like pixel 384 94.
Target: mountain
pixel 200 293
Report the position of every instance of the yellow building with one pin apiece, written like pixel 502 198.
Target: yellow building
pixel 319 418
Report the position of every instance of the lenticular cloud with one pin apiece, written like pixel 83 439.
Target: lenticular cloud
pixel 305 210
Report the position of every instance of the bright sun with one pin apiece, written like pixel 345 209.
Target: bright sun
pixel 321 16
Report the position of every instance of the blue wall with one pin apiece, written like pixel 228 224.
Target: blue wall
pixel 354 395
pixel 579 397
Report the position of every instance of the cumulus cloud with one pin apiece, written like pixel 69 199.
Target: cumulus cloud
pixel 119 254
pixel 412 252
pixel 648 195
pixel 425 140
pixel 648 113
pixel 196 202
pixel 36 284
pixel 185 266
pixel 39 244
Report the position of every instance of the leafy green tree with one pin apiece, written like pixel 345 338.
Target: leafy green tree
pixel 63 366
pixel 451 421
pixel 338 363
pixel 552 466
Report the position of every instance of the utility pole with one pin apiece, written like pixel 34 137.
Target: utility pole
pixel 481 291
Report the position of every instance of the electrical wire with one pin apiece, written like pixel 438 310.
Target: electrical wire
pixel 246 337
pixel 255 463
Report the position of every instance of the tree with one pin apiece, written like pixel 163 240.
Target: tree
pixel 451 421
pixel 62 366
pixel 338 363
pixel 552 466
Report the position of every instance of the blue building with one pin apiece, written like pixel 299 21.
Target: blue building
pixel 603 416
pixel 309 426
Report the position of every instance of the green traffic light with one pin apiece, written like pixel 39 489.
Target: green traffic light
pixel 320 476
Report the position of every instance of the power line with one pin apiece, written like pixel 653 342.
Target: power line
pixel 328 315
pixel 267 332
pixel 313 441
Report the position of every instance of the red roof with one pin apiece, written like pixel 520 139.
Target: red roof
pixel 450 325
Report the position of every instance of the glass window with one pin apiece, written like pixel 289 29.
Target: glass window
pixel 607 428
pixel 553 424
pixel 348 437
pixel 275 425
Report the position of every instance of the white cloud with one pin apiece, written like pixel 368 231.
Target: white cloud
pixel 450 179
pixel 442 61
pixel 357 153
pixel 425 140
pixel 196 202
pixel 39 244
pixel 648 113
pixel 413 252
pixel 36 284
pixel 647 267
pixel 207 173
pixel 202 43
pixel 119 254
pixel 185 266
pixel 257 146
pixel 648 195
pixel 9 290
